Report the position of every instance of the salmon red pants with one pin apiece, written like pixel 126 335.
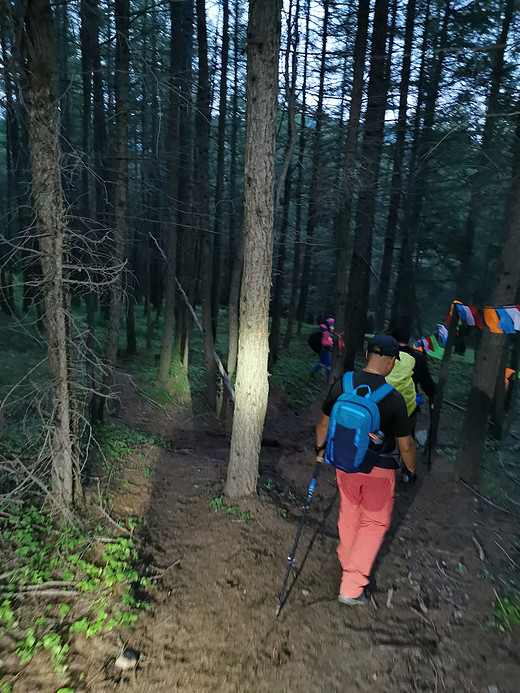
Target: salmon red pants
pixel 366 502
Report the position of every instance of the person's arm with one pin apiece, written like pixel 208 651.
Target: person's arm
pixel 408 452
pixel 321 434
pixel 423 377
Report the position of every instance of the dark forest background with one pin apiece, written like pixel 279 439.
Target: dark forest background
pixel 395 158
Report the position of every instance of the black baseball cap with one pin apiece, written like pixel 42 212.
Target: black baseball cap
pixel 384 345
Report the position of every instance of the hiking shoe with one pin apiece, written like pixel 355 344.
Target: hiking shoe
pixel 363 599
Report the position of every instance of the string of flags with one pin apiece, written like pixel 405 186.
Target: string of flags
pixel 503 320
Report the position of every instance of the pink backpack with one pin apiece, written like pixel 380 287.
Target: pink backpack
pixel 326 337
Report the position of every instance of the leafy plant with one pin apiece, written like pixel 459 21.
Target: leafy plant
pixel 217 504
pixel 506 612
pixel 47 553
pixel 118 442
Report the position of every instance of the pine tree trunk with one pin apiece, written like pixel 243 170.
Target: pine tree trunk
pixel 397 166
pixel 177 12
pixel 220 207
pixel 316 174
pixel 488 357
pixel 119 197
pixel 185 230
pixel 252 385
pixel 12 145
pixel 404 299
pixel 203 120
pixel 347 190
pixel 40 72
pixel 359 279
pixel 291 66
pixel 295 283
pixel 466 282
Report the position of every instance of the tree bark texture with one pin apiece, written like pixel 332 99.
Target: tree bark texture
pixel 119 197
pixel 298 195
pixel 220 207
pixel 397 171
pixel 404 298
pixel 466 284
pixel 202 129
pixel 40 72
pixel 179 11
pixel 314 201
pixel 285 181
pixel 359 279
pixel 263 46
pixel 235 252
pixel 343 220
pixel 488 358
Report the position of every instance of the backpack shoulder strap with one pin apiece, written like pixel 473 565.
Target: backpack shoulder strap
pixel 348 383
pixel 381 392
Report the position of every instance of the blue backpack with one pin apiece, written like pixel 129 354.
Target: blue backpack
pixel 354 441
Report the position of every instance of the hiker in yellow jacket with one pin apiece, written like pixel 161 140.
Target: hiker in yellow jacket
pixel 401 378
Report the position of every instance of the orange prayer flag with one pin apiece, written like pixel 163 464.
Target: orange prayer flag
pixel 492 320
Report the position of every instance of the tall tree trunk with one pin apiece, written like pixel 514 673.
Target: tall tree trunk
pixel 185 233
pixel 316 174
pixel 98 110
pixel 295 285
pixel 12 142
pixel 235 237
pixel 343 221
pixel 291 66
pixel 220 207
pixel 203 121
pixel 359 279
pixel 397 166
pixel 466 282
pixel 40 72
pixel 404 298
pixel 88 41
pixel 177 11
pixel 119 197
pixel 252 387
pixel 488 358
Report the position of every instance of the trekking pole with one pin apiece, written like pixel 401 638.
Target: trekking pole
pixel 297 538
pixel 430 442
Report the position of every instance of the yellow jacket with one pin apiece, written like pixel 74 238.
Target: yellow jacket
pixel 401 378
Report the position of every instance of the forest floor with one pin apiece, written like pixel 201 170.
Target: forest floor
pixel 212 625
pixel 436 624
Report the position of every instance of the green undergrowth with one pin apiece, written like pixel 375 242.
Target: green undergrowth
pixel 77 584
pixel 117 442
pixel 177 393
pixel 506 612
pixel 218 505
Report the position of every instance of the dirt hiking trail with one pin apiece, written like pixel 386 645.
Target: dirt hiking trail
pixel 211 626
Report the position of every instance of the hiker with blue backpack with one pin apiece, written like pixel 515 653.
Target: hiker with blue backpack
pixel 363 417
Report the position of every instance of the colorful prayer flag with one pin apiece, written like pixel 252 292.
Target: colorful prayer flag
pixel 506 323
pixel 492 320
pixel 514 314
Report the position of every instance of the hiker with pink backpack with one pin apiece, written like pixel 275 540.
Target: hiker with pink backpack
pixel 321 342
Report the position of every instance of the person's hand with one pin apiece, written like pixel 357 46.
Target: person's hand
pixel 320 453
pixel 407 476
